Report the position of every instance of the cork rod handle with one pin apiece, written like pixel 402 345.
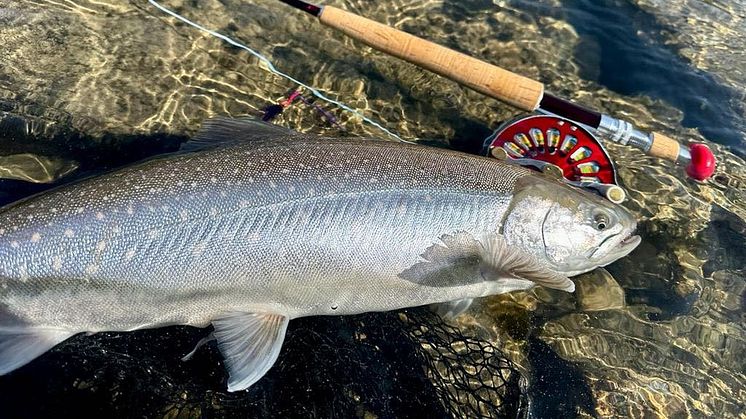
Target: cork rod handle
pixel 664 147
pixel 485 78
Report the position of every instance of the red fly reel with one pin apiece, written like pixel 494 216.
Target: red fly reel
pixel 558 141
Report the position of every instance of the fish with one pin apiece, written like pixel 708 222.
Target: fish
pixel 250 226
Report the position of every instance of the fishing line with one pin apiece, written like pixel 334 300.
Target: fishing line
pixel 272 69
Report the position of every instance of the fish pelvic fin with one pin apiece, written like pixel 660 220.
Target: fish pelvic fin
pixel 452 309
pixel 250 344
pixel 19 346
pixel 460 259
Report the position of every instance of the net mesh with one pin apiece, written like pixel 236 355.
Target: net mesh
pixel 398 364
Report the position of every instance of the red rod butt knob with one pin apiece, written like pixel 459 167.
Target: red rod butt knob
pixel 702 165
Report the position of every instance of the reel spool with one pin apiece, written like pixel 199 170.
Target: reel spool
pixel 557 146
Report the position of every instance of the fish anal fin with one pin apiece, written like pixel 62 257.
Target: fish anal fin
pixel 19 346
pixel 250 344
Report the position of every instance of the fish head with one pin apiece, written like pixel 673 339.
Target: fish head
pixel 572 230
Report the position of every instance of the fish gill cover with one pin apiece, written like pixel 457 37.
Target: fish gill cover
pixel 396 364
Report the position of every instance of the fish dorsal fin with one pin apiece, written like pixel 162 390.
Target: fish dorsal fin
pixel 460 259
pixel 250 344
pixel 19 346
pixel 220 131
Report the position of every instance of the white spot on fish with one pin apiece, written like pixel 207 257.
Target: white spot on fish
pixel 29 217
pixel 116 229
pixel 79 210
pixel 184 215
pixel 99 215
pixel 272 184
pixel 213 179
pixel 35 238
pixel 91 269
pixel 199 248
pixel 130 210
pixel 69 233
pixel 243 204
pixel 213 211
pixel 23 273
pixel 286 171
pixel 153 234
pixel 14 244
pixel 57 263
pixel 100 246
pixel 129 254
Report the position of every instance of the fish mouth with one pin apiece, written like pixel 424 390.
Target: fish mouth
pixel 612 248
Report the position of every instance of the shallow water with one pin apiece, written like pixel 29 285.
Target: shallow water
pixel 97 84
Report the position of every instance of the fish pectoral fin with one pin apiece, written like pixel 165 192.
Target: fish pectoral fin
pixel 223 131
pixel 452 309
pixel 250 344
pixel 460 259
pixel 19 346
pixel 505 263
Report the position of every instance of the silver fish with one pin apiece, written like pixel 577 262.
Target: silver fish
pixel 268 226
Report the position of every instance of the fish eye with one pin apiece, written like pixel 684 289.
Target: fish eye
pixel 602 221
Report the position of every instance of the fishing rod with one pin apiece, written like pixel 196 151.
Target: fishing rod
pixel 506 86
